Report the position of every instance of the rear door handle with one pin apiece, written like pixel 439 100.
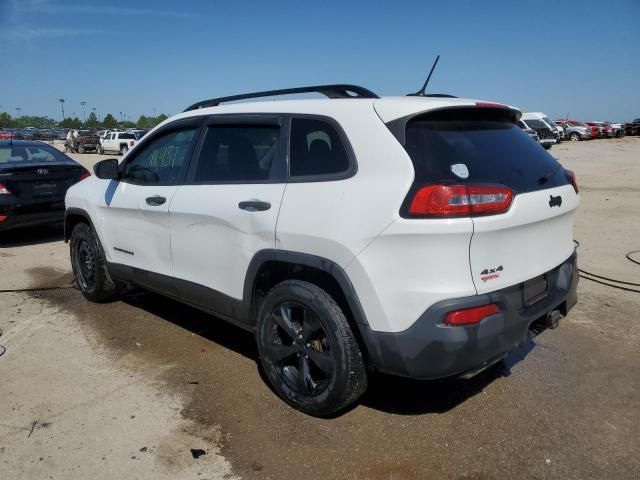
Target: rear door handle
pixel 254 206
pixel 156 201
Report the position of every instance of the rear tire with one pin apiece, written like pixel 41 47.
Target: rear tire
pixel 308 351
pixel 89 265
pixel 100 150
pixel 80 148
pixel 123 150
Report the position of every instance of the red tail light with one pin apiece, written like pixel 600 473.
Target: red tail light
pixel 84 175
pixel 4 190
pixel 470 316
pixel 571 177
pixel 460 200
pixel 3 218
pixel 131 143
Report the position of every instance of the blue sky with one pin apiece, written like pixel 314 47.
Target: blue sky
pixel 578 57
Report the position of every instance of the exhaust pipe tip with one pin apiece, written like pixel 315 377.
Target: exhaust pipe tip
pixel 553 319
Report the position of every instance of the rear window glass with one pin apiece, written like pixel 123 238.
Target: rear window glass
pixel 19 153
pixel 479 145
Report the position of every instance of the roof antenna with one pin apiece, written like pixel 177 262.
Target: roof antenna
pixel 421 92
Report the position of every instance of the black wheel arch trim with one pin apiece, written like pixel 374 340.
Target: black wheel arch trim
pixel 308 260
pixel 75 212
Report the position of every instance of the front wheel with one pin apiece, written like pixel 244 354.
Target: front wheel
pixel 307 349
pixel 100 150
pixel 574 137
pixel 89 265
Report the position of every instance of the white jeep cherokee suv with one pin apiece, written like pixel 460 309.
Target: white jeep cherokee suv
pixel 422 236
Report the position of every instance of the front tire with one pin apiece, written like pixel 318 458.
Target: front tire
pixel 100 150
pixel 574 137
pixel 307 349
pixel 89 265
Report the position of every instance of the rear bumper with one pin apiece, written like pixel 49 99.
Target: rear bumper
pixel 429 349
pixel 25 214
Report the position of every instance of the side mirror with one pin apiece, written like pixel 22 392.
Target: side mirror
pixel 107 169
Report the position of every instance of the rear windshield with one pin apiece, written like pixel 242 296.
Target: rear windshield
pixel 19 153
pixel 479 145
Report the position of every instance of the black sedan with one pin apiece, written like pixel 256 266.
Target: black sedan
pixel 34 178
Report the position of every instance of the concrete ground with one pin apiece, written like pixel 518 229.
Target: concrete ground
pixel 128 389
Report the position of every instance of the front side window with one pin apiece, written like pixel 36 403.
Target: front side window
pixel 162 161
pixel 237 153
pixel 316 149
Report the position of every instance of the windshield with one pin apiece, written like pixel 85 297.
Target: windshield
pixel 478 145
pixel 550 122
pixel 20 153
pixel 537 124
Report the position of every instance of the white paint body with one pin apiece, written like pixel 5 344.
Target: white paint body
pixel 398 267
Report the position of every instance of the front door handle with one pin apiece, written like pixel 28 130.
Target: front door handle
pixel 156 201
pixel 254 206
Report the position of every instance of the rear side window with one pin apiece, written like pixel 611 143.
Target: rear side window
pixel 237 153
pixel 316 149
pixel 127 136
pixel 478 145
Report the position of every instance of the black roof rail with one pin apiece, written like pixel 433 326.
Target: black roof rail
pixel 331 91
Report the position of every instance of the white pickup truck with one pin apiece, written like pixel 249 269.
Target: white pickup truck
pixel 117 142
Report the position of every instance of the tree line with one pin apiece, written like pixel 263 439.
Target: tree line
pixel 109 121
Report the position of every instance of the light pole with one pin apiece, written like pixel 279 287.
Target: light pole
pixel 84 115
pixel 18 110
pixel 61 100
pixel 120 117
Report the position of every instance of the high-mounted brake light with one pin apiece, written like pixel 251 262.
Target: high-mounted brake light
pixel 490 105
pixel 571 177
pixel 469 316
pixel 4 190
pixel 460 200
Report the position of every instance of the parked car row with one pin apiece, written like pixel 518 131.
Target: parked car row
pixel 31 133
pixel 548 132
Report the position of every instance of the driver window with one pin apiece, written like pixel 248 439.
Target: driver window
pixel 161 161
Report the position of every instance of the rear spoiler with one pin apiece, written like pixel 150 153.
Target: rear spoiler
pixel 399 125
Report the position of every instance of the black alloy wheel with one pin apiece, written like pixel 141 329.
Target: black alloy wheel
pixel 299 348
pixel 308 349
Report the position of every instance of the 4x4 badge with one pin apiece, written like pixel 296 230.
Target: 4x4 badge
pixel 490 273
pixel 555 201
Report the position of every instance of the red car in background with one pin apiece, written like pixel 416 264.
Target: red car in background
pixel 6 135
pixel 596 131
pixel 604 131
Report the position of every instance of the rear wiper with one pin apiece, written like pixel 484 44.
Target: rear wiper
pixel 550 173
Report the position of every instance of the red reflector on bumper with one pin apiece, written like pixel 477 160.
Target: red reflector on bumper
pixel 470 315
